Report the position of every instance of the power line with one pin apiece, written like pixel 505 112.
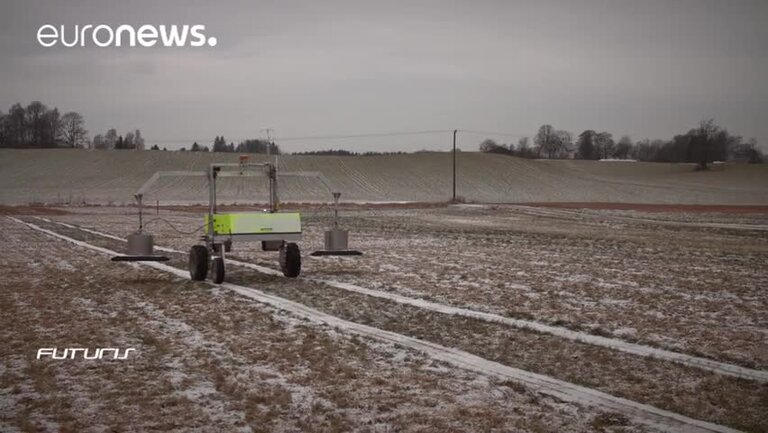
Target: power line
pixel 198 140
pixel 506 134
pixel 322 137
pixel 360 135
pixel 373 134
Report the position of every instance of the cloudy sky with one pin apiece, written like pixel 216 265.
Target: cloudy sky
pixel 307 68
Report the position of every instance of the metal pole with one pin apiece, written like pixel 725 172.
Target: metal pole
pixel 212 190
pixel 141 217
pixel 211 203
pixel 336 196
pixel 454 164
pixel 273 198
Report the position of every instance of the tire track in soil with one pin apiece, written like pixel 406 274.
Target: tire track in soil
pixel 583 337
pixel 639 412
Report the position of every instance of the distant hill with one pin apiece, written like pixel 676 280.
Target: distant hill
pixel 61 175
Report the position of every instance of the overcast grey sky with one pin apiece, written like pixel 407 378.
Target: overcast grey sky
pixel 644 68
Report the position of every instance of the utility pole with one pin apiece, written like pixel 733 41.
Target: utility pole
pixel 454 164
pixel 269 141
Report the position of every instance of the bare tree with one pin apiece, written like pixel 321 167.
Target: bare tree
pixel 605 144
pixel 703 139
pixel 98 142
pixel 128 141
pixel 34 121
pixel 4 142
pixel 623 147
pixel 17 126
pixel 524 148
pixel 138 140
pixel 110 139
pixel 564 143
pixel 491 146
pixel 552 143
pixel 546 141
pixel 50 128
pixel 73 129
pixel 522 143
pixel 33 126
pixel 752 152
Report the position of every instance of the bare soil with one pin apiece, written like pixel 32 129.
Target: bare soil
pixel 647 207
pixel 690 282
pixel 208 360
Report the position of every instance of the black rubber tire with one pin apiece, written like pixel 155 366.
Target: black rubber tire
pixel 198 262
pixel 217 270
pixel 290 260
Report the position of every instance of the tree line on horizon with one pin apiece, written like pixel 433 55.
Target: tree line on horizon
pixel 112 141
pixel 37 126
pixel 251 145
pixel 706 143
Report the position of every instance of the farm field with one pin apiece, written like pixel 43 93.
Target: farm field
pixel 456 318
pixel 112 177
pixel 384 217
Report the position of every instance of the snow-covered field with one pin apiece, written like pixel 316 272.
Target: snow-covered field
pixel 210 362
pixel 456 318
pixel 77 176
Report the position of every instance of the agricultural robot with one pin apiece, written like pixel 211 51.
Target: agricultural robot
pixel 277 231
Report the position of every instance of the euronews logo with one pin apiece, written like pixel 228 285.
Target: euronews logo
pixel 147 35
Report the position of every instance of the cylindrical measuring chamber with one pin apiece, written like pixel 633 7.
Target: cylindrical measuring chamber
pixel 336 240
pixel 140 244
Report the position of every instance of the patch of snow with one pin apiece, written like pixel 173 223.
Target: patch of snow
pixel 565 391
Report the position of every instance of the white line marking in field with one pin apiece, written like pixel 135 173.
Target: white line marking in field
pixel 565 391
pixel 558 331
